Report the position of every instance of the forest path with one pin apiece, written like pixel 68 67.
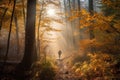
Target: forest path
pixel 65 72
pixel 67 75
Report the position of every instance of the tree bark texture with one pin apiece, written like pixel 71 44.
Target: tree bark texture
pixel 29 53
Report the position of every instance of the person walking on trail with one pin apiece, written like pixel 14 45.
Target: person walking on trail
pixel 59 53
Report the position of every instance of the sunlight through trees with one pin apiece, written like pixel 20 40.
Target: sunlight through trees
pixel 59 39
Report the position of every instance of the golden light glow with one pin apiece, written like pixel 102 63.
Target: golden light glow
pixel 51 12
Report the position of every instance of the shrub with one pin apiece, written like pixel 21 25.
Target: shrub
pixel 47 72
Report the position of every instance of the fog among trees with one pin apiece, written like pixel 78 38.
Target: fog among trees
pixel 59 39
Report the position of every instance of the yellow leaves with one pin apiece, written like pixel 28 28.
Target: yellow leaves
pixel 85 65
pixel 78 70
pixel 85 12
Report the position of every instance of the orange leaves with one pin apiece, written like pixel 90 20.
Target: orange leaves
pixel 85 19
pixel 86 44
pixel 108 2
pixel 101 22
pixel 117 25
pixel 115 4
pixel 98 20
pixel 98 64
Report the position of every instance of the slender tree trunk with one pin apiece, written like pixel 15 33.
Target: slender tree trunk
pixel 38 32
pixel 72 33
pixel 91 12
pixel 79 5
pixel 81 30
pixel 74 21
pixel 4 15
pixel 66 22
pixel 17 34
pixel 78 11
pixel 29 54
pixel 23 10
pixel 9 35
pixel 91 32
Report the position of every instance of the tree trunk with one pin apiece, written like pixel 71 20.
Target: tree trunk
pixel 67 37
pixel 91 32
pixel 29 54
pixel 79 5
pixel 23 9
pixel 9 35
pixel 90 8
pixel 72 41
pixel 17 34
pixel 38 32
pixel 4 15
